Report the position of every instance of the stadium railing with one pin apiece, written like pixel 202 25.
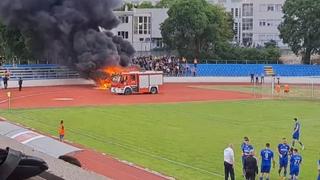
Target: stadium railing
pixel 235 61
pixel 38 72
pixel 52 71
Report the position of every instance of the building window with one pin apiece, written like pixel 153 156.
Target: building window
pixel 247 39
pixel 235 27
pixel 270 7
pixel 158 42
pixel 142 25
pixel 269 22
pixel 262 22
pixel 123 34
pixel 124 19
pixel 141 39
pixel 232 12
pixel 247 9
pixel 237 12
pixel 247 24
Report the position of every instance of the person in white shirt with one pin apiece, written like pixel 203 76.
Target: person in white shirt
pixel 229 162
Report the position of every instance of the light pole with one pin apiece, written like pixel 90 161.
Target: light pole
pixel 9 100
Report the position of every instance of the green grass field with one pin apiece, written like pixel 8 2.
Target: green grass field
pixel 265 90
pixel 184 140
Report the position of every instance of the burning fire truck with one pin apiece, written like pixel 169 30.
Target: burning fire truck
pixel 137 82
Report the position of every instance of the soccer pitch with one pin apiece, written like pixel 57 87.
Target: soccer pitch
pixel 183 140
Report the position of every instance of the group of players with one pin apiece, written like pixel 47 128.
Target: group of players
pixel 286 153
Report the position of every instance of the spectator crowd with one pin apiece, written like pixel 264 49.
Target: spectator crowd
pixel 170 65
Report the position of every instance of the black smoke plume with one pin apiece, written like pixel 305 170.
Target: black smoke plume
pixel 68 31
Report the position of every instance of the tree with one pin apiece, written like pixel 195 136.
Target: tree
pixel 270 44
pixel 13 44
pixel 145 5
pixel 300 28
pixel 128 6
pixel 165 3
pixel 195 28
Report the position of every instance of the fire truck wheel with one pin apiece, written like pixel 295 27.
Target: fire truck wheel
pixel 153 90
pixel 127 91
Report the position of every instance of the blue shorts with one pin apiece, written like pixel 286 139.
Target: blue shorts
pixel 283 162
pixel 319 177
pixel 61 136
pixel 265 169
pixel 294 171
pixel 296 136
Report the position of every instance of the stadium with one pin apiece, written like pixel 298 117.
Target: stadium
pixel 132 117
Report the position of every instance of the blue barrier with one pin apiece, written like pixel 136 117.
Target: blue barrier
pixel 43 71
pixel 247 69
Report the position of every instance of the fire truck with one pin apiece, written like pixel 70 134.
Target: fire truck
pixel 135 82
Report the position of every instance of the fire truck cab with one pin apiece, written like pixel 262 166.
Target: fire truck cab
pixel 137 82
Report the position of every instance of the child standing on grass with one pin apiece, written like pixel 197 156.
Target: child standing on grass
pixel 61 131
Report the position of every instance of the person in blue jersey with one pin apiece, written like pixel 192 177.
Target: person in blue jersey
pixel 266 158
pixel 319 169
pixel 246 148
pixel 284 152
pixel 296 133
pixel 295 162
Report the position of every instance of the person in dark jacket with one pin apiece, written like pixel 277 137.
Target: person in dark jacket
pixel 251 167
pixel 252 78
pixel 5 82
pixel 20 83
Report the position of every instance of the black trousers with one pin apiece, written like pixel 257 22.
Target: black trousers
pixel 228 170
pixel 250 176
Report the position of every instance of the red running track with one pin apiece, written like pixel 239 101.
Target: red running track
pixel 62 96
pixel 112 168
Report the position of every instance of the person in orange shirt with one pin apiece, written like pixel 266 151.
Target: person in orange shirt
pixel 278 88
pixel 61 131
pixel 286 88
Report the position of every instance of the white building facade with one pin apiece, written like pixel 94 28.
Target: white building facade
pixel 141 27
pixel 255 21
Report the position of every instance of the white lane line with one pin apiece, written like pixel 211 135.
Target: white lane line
pixel 32 139
pixel 21 133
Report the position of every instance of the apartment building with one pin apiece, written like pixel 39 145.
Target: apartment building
pixel 141 27
pixel 255 21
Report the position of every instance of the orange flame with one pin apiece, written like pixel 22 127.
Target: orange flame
pixel 110 72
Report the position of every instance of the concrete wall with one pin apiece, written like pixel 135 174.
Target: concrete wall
pixel 295 80
pixel 49 82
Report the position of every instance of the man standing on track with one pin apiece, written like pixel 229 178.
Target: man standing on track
pixel 296 133
pixel 284 152
pixel 266 158
pixel 20 83
pixel 229 162
pixel 61 131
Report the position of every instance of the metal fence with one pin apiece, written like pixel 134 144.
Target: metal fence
pixel 37 73
pixel 304 88
pixel 241 61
